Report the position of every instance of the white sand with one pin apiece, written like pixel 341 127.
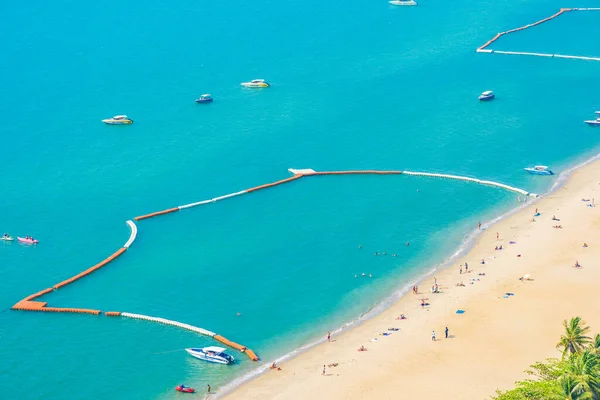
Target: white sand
pixel 494 341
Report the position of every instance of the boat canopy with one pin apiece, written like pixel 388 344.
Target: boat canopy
pixel 487 92
pixel 214 349
pixel 257 80
pixel 541 167
pixel 205 95
pixel 120 117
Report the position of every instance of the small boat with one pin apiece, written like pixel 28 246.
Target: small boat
pixel 185 389
pixel 256 83
pixel 487 95
pixel 403 2
pixel 593 122
pixel 118 120
pixel 211 354
pixel 7 238
pixel 27 240
pixel 597 112
pixel 539 170
pixel 205 98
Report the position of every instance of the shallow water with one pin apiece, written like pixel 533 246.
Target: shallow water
pixel 356 85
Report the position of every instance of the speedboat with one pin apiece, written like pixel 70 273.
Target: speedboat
pixel 487 95
pixel 597 112
pixel 7 238
pixel 211 354
pixel 118 120
pixel 539 170
pixel 27 240
pixel 205 98
pixel 593 122
pixel 403 2
pixel 185 389
pixel 255 83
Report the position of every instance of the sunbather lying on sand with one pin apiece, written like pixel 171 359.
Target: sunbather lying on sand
pixel 362 348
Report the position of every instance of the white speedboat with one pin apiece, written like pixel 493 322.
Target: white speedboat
pixel 255 83
pixel 597 112
pixel 118 120
pixel 7 238
pixel 211 354
pixel 487 95
pixel 539 170
pixel 593 122
pixel 403 2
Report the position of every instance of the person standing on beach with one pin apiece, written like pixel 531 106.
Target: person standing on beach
pixel 323 373
pixel 433 336
pixel 498 235
pixel 466 268
pixel 329 336
pixel 208 389
pixel 446 331
pixel 479 225
pixel 461 269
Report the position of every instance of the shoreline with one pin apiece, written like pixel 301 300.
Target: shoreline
pixel 261 381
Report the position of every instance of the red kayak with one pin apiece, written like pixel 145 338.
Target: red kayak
pixel 185 389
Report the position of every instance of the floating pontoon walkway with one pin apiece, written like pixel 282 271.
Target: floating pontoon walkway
pixel 484 48
pixel 30 303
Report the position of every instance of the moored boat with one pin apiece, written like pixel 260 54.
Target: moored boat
pixel 487 95
pixel 539 170
pixel 211 354
pixel 403 2
pixel 28 240
pixel 593 122
pixel 7 238
pixel 255 83
pixel 205 98
pixel 118 120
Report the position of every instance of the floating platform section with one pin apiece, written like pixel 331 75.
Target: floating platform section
pixel 133 234
pixel 483 48
pixel 92 269
pixel 156 214
pixel 29 303
pixel 270 185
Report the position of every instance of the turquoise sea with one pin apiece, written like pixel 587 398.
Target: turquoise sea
pixel 355 85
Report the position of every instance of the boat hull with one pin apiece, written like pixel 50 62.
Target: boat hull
pixel 7 239
pixel 205 357
pixel 28 241
pixel 403 3
pixel 593 122
pixel 487 98
pixel 200 101
pixel 255 85
pixel 109 122
pixel 537 172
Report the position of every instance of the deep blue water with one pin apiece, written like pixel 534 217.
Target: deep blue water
pixel 355 85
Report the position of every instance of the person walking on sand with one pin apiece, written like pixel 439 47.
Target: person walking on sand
pixel 479 225
pixel 446 331
pixel 498 235
pixel 323 373
pixel 329 336
pixel 461 269
pixel 433 336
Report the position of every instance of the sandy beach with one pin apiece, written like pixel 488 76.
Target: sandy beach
pixel 495 339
